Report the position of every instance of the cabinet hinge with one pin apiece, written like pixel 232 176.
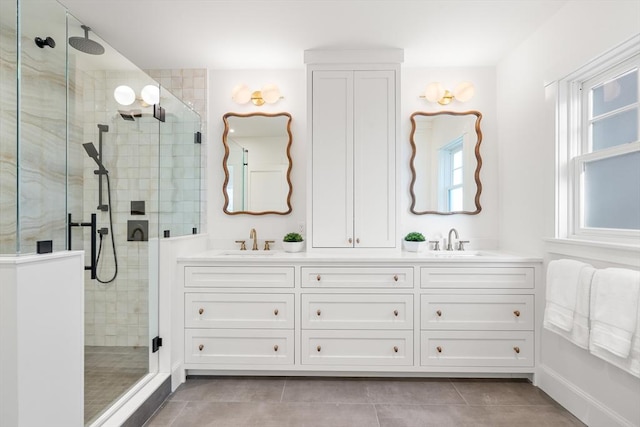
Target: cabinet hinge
pixel 156 343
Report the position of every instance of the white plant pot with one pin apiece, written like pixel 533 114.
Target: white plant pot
pixel 413 246
pixel 292 246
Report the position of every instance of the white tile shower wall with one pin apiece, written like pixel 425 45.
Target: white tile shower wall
pixel 116 313
pixel 189 85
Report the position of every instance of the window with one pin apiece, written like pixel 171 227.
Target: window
pixel 452 183
pixel 602 152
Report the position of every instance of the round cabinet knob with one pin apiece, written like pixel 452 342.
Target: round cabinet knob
pixel 350 240
pixel 516 349
pixel 439 313
pixel 275 347
pixel 439 349
pixel 395 348
pixel 275 312
pixel 318 348
pixel 200 347
pixel 319 312
pixel 201 311
pixel 318 277
pixel 395 278
pixel 516 313
pixel 395 313
pixel 358 240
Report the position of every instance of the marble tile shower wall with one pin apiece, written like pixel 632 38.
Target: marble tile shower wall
pixel 42 159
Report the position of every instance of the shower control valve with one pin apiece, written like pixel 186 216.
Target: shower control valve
pixel 103 231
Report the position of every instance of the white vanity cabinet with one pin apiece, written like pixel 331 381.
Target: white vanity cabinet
pixel 353 323
pixel 238 315
pixel 477 316
pixel 353 125
pixel 396 314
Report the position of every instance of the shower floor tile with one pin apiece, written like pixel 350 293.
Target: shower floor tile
pixel 108 373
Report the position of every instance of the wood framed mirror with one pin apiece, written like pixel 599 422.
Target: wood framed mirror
pixel 445 163
pixel 257 163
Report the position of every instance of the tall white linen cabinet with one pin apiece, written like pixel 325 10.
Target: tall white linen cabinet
pixel 353 107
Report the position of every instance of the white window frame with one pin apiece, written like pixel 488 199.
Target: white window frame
pixel 446 168
pixel 571 120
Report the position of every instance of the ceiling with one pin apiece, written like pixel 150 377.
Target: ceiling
pixel 273 34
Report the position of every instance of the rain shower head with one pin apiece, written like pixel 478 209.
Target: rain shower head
pixel 93 153
pixel 84 44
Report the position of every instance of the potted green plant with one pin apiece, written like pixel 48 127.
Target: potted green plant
pixel 292 242
pixel 414 241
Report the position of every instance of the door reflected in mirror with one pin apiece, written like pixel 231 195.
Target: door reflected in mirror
pixel 257 163
pixel 445 163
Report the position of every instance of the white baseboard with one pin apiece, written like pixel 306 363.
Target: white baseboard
pixel 580 403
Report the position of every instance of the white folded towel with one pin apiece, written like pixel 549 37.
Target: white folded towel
pixel 630 364
pixel 568 295
pixel 615 300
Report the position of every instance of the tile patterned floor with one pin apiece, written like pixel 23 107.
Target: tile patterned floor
pixel 335 402
pixel 108 373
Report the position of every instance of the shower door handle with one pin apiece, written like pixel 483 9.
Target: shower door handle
pixel 94 231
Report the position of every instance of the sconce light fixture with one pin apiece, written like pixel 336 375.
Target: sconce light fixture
pixel 149 95
pixel 270 94
pixel 436 93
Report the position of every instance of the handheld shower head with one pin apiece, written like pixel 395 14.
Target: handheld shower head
pixel 93 153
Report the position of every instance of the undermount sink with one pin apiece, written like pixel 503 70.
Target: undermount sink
pixel 238 252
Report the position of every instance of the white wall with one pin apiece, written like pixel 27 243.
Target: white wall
pixel 481 229
pixel 595 391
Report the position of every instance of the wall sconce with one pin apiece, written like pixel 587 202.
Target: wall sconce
pixel 269 94
pixel 436 93
pixel 149 95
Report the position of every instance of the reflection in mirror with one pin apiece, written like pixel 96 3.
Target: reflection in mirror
pixel 257 163
pixel 446 162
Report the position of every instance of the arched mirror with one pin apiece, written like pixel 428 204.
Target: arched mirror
pixel 446 163
pixel 257 163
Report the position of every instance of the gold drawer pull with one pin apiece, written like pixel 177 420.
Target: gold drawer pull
pixel 439 313
pixel 350 240
pixel 395 348
pixel 275 347
pixel 275 312
pixel 201 311
pixel 439 349
pixel 516 313
pixel 318 348
pixel 318 277
pixel 200 347
pixel 395 313
pixel 357 240
pixel 395 277
pixel 319 312
pixel 516 349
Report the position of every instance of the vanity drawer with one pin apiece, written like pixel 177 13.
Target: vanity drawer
pixel 476 312
pixel 345 311
pixel 262 311
pixel 239 346
pixel 477 278
pixel 357 277
pixel 238 277
pixel 357 348
pixel 477 348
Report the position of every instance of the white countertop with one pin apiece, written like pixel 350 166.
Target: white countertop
pixel 279 256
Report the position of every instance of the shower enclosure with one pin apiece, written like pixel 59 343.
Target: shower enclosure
pixel 84 168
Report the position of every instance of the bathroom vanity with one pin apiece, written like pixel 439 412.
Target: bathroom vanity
pixel 394 314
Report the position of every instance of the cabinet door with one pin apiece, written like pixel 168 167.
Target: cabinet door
pixel 374 159
pixel 332 154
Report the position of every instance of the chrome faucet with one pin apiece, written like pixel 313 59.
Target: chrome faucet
pixel 253 235
pixel 449 245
